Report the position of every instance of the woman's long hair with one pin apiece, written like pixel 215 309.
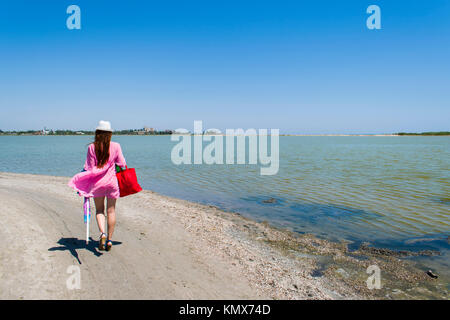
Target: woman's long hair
pixel 101 144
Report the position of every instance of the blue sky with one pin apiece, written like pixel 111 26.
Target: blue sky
pixel 300 66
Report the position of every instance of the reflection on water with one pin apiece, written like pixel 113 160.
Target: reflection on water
pixel 365 188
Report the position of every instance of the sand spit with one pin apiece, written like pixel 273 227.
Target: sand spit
pixel 169 248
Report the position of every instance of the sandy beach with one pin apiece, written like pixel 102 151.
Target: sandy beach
pixel 167 248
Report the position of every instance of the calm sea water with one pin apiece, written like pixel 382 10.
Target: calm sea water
pixel 393 191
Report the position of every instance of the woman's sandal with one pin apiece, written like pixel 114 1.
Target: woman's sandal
pixel 108 245
pixel 102 241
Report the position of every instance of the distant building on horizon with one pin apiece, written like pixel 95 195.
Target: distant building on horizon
pixel 149 130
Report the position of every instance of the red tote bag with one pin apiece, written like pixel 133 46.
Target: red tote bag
pixel 128 183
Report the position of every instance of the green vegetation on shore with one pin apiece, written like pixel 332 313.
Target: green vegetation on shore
pixel 438 133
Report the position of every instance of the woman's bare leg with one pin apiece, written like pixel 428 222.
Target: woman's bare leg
pixel 100 210
pixel 111 209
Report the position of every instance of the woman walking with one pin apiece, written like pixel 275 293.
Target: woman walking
pixel 98 180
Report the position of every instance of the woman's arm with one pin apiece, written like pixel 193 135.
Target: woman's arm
pixel 120 159
pixel 91 159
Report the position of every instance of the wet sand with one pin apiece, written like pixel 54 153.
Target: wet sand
pixel 167 248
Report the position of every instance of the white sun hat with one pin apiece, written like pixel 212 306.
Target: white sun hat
pixel 104 126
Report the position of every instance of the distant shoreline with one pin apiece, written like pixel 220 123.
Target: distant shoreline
pixel 170 132
pixel 281 135
pixel 339 135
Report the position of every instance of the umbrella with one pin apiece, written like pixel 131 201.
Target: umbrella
pixel 87 216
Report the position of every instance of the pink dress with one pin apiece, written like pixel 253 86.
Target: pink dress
pixel 95 182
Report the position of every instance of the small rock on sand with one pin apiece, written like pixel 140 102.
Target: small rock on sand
pixel 432 275
pixel 342 272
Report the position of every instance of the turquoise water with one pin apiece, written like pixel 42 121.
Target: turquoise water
pixel 385 190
